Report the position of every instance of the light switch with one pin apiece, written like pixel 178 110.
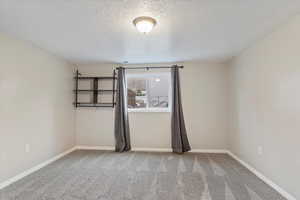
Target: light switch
pixel 260 150
pixel 27 148
pixel 3 156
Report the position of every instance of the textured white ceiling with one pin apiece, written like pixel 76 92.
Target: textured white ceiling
pixel 87 31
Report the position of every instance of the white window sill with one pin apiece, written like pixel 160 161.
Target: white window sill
pixel 150 110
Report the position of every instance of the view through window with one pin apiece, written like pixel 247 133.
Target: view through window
pixel 149 92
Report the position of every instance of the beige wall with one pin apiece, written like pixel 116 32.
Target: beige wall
pixel 35 106
pixel 205 102
pixel 266 106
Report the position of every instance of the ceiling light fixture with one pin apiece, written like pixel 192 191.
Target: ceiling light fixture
pixel 144 24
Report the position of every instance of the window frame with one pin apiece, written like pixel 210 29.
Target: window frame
pixel 149 109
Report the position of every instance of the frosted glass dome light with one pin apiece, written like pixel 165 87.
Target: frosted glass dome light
pixel 144 24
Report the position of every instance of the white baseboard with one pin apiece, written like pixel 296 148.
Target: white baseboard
pixel 151 149
pixel 263 178
pixel 107 148
pixel 33 169
pixel 209 151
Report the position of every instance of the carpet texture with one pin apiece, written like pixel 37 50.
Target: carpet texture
pixel 105 175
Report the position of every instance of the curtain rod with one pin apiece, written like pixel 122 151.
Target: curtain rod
pixel 159 67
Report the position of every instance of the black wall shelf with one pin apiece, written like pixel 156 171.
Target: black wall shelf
pixel 95 90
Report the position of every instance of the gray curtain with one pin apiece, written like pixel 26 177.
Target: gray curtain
pixel 180 142
pixel 122 133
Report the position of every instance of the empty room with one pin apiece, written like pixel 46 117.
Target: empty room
pixel 150 100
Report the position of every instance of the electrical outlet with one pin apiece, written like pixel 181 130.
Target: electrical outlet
pixel 27 148
pixel 260 150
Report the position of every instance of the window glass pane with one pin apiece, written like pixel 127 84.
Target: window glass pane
pixel 158 91
pixel 137 92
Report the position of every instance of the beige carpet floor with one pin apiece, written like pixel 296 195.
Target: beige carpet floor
pixel 105 175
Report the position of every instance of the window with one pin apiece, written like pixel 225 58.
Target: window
pixel 148 92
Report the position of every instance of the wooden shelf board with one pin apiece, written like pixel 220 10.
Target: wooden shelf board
pixel 96 77
pixel 94 90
